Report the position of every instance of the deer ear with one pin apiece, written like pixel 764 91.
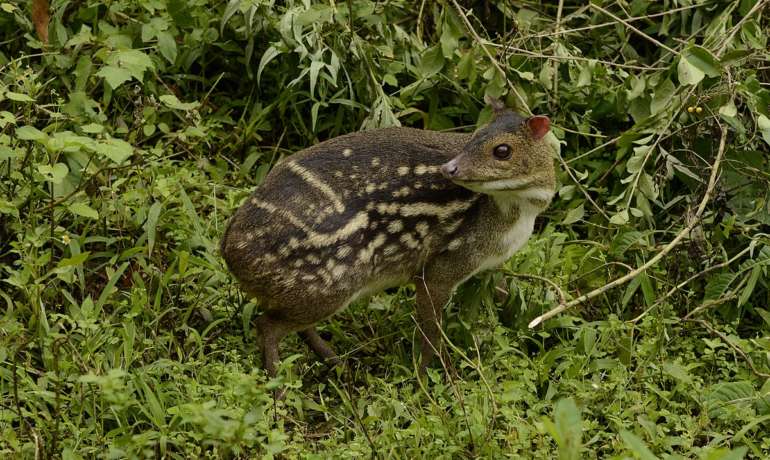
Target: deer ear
pixel 538 125
pixel 496 104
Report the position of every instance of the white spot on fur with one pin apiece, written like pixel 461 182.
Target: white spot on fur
pixel 343 251
pixel 388 208
pixel 402 192
pixel 366 254
pixel 409 241
pixel 395 226
pixel 403 170
pixel 441 211
pixel 317 183
pixel 347 152
pixel 422 228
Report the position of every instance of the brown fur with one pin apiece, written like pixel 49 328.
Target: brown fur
pixel 365 211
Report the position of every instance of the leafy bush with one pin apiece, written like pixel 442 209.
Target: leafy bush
pixel 129 136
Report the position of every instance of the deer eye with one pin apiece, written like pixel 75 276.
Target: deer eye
pixel 502 152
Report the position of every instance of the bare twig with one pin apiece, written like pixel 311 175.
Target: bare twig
pixel 612 23
pixel 562 297
pixel 689 280
pixel 639 32
pixel 709 304
pixel 575 58
pixel 481 43
pixel 729 36
pixel 730 343
pixel 556 66
pixel 715 168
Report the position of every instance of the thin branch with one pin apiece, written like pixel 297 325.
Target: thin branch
pixel 480 42
pixel 715 168
pixel 612 23
pixel 689 280
pixel 575 58
pixel 735 347
pixel 556 66
pixel 729 36
pixel 639 32
pixel 562 297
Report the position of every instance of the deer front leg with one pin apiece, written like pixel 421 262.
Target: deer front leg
pixel 431 299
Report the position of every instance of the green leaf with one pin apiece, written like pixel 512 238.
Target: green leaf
pixel 661 98
pixel 315 68
pixel 718 284
pixel 574 215
pixel 431 62
pixel 30 133
pixel 114 277
pixel 750 285
pixel 92 128
pixel 7 118
pixel 7 153
pixel 703 60
pixel 73 261
pixel 115 149
pixel 114 76
pixel 82 209
pixel 151 225
pixel 725 453
pixel 569 427
pixel 620 218
pixel 167 46
pixel 18 97
pixel 637 446
pixel 271 53
pixel 134 61
pixel 688 73
pixel 723 397
pixel 55 173
pixel 678 371
pixel 171 101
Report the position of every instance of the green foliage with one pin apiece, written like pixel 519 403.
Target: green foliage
pixel 129 138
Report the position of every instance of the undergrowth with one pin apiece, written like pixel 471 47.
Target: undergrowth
pixel 130 131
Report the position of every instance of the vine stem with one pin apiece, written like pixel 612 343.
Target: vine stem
pixel 675 242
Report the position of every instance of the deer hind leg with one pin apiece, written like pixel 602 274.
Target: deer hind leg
pixel 271 330
pixel 319 346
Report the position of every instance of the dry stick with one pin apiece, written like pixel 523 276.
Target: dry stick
pixel 575 58
pixel 728 38
pixel 731 345
pixel 480 42
pixel 675 242
pixel 690 279
pixel 711 303
pixel 639 32
pixel 556 66
pixel 606 24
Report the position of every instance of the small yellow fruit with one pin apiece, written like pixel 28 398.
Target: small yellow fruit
pixel 698 109
pixel 691 109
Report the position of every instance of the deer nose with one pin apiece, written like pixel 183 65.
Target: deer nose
pixel 449 169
